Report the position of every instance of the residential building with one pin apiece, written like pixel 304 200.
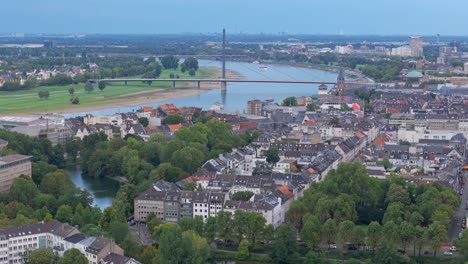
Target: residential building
pixel 254 107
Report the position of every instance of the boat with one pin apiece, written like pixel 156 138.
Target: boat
pixel 256 62
pixel 263 67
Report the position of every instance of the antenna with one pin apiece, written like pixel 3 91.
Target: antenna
pixel 224 54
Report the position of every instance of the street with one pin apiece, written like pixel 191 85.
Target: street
pixel 455 226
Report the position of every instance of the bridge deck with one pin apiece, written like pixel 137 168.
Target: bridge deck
pixel 213 80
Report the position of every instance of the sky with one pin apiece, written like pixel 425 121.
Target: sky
pixel 349 17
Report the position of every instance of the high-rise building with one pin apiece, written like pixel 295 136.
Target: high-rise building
pixel 416 45
pixel 254 107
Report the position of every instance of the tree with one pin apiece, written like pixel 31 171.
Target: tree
pixel 329 231
pixel 284 248
pixel 374 233
pixel 262 168
pixel 438 234
pixel 190 186
pixel 102 86
pixel 310 234
pixel 243 250
pixel 56 183
pixel 40 256
pixel 345 233
pixel 387 254
pixel 386 163
pixel 189 64
pixel 118 231
pixel 272 155
pixel 143 121
pixel 166 171
pixel 73 256
pixel 23 190
pixel 89 87
pixel 462 243
pixel 290 101
pixel 189 159
pixel 71 90
pixel 173 119
pixel 312 107
pixel 64 214
pixel 75 100
pixel 169 62
pixel 43 94
pixel 242 196
pixel 334 120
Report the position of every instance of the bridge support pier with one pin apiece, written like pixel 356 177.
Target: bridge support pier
pixel 125 83
pixel 198 84
pixel 223 85
pixel 173 84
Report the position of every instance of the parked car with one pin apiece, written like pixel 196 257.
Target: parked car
pixel 332 246
pixel 453 248
pixel 448 253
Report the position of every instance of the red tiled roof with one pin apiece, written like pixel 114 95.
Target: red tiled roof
pixel 285 190
pixel 174 127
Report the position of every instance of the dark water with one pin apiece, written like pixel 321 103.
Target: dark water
pixel 103 190
pixel 236 96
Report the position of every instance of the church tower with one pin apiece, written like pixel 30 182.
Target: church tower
pixel 340 83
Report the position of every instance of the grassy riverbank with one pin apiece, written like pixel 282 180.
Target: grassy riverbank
pixel 114 95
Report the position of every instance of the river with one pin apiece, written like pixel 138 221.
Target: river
pixel 237 94
pixel 234 100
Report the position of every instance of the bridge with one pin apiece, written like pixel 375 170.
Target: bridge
pixel 199 81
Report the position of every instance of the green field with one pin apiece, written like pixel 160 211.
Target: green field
pixel 28 101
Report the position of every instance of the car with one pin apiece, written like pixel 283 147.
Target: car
pixel 332 246
pixel 453 248
pixel 448 253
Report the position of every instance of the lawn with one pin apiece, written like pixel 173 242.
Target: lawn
pixel 59 99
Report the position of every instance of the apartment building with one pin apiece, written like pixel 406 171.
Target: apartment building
pixel 16 241
pixel 11 167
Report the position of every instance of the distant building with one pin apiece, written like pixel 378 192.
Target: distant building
pixel 416 45
pixel 217 107
pixel 11 167
pixel 465 67
pixel 254 107
pixel 48 44
pixel 323 89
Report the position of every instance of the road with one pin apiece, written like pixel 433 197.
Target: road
pixel 455 226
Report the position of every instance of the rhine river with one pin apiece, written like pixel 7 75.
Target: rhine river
pixel 235 100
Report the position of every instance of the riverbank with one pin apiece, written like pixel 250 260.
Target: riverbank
pixel 113 96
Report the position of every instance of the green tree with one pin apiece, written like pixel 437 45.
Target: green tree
pixel 374 234
pixel 262 168
pixel 118 231
pixel 143 121
pixel 462 244
pixel 73 256
pixel 169 62
pixel 40 256
pixel 438 234
pixel 329 231
pixel 190 63
pixel 102 86
pixel 242 196
pixel 387 254
pixel 272 155
pixel 386 163
pixel 23 190
pixel 89 87
pixel 75 100
pixel 56 183
pixel 173 119
pixel 284 248
pixel 290 101
pixel 188 159
pixel 243 250
pixel 345 233
pixel 312 107
pixel 310 234
pixel 168 172
pixel 71 90
pixel 64 214
pixel 43 94
pixel 190 186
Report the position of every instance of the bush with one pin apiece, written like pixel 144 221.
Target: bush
pixel 75 100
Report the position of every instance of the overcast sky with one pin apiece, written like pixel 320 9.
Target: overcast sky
pixel 383 17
